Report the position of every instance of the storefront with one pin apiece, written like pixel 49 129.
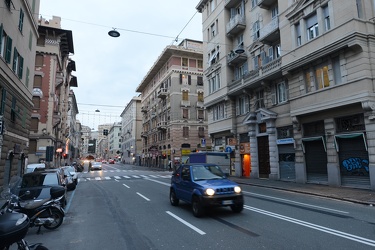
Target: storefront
pixel 286 159
pixel 315 152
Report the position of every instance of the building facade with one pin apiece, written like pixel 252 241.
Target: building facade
pixel 174 119
pixel 114 141
pixel 18 35
pixel 131 142
pixel 52 131
pixel 296 89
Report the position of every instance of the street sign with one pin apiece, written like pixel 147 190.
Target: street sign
pixel 228 149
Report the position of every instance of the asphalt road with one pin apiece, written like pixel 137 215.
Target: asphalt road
pixel 125 207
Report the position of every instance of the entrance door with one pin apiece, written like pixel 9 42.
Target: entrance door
pixel 264 157
pixel 316 161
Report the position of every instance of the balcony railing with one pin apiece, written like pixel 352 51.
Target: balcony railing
pixel 162 125
pixel 236 24
pixel 144 108
pixel 269 32
pixel 200 104
pixel 266 4
pixel 233 58
pixel 231 3
pixel 185 103
pixel 163 93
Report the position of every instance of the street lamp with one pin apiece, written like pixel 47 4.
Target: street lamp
pixel 114 33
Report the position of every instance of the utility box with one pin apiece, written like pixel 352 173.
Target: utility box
pixel 219 158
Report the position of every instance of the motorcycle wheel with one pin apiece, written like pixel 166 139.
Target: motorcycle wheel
pixel 58 218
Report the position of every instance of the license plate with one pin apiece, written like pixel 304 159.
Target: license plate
pixel 227 202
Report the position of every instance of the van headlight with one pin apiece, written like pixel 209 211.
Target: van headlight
pixel 237 189
pixel 210 191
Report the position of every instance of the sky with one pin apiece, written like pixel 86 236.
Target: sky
pixel 108 69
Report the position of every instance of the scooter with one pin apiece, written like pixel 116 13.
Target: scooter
pixel 47 212
pixel 13 229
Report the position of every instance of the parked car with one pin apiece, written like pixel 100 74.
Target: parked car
pixel 204 185
pixel 111 161
pixel 35 166
pixel 71 178
pixel 39 183
pixel 96 166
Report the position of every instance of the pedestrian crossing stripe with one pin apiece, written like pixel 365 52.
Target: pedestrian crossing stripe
pixel 98 178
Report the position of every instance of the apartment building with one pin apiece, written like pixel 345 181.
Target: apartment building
pixel 174 120
pixel 290 82
pixel 53 132
pixel 114 141
pixel 131 123
pixel 18 35
pixel 101 149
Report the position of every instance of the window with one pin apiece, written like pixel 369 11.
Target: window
pixel 274 11
pixel 200 80
pixel 280 93
pixel 218 112
pixel 259 103
pixel 3 101
pixel 17 63
pixel 312 27
pixel 20 22
pixel 185 113
pixel 8 3
pixel 359 8
pixel 200 114
pixel 214 82
pixel 298 34
pixel 37 81
pixel 200 64
pixel 5 45
pixel 254 3
pixel 242 105
pixel 200 96
pixel 39 60
pixel 185 95
pixel 240 71
pixel 322 79
pixel 13 109
pixel 336 70
pixel 309 82
pixel 327 21
pixel 185 132
pixel 213 30
pixel 185 63
pixel 256 30
pixel 27 77
pixel 30 40
pixel 200 132
pixel 183 79
pixel 41 40
pixel 212 5
pixel 34 124
pixel 32 146
pixel 36 102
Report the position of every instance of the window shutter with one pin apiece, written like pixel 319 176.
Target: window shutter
pixel 180 78
pixel 247 104
pixel 273 95
pixel 189 79
pixel 8 53
pixel 1 35
pixel 20 67
pixel 15 58
pixel 238 107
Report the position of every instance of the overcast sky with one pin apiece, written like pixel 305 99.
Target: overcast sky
pixel 109 69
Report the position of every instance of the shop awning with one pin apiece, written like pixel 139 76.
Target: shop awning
pixel 316 138
pixel 349 136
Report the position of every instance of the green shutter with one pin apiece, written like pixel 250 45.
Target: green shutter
pixel 3 101
pixel 15 58
pixel 20 67
pixel 8 51
pixel 20 22
pixel 27 77
pixel 30 40
pixel 1 35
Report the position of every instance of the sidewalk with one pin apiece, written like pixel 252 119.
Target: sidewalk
pixel 361 196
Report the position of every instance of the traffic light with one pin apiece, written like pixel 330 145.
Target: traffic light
pixel 65 156
pixel 163 156
pixel 105 131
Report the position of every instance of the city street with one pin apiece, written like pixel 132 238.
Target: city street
pixel 127 207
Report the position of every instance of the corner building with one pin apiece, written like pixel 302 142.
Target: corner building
pixel 290 82
pixel 174 122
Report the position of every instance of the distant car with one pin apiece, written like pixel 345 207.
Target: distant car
pixel 96 166
pixel 204 185
pixel 39 183
pixel 34 167
pixel 111 161
pixel 104 162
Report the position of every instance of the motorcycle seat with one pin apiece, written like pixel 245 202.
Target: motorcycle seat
pixel 31 204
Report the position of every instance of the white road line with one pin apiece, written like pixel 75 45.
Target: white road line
pixel 315 226
pixel 107 178
pixel 160 182
pixel 186 223
pixel 296 202
pixel 136 176
pixel 127 177
pixel 125 185
pixel 153 176
pixel 144 197
pixel 117 177
pixel 144 176
pixel 98 178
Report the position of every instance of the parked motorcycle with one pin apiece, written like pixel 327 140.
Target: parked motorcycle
pixel 14 227
pixel 47 212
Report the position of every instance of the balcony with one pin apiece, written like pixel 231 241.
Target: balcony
pixel 163 93
pixel 231 3
pixel 144 109
pixel 185 103
pixel 200 104
pixel 236 25
pixel 144 134
pixel 234 59
pixel 270 33
pixel 162 125
pixel 266 4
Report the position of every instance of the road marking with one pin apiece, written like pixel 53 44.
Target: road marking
pixel 144 176
pixel 144 197
pixel 98 178
pixel 295 202
pixel 186 223
pixel 136 176
pixel 125 185
pixel 127 177
pixel 107 178
pixel 160 182
pixel 315 226
pixel 117 177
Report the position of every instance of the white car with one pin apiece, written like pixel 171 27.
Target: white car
pixel 73 173
pixel 34 167
pixel 96 165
